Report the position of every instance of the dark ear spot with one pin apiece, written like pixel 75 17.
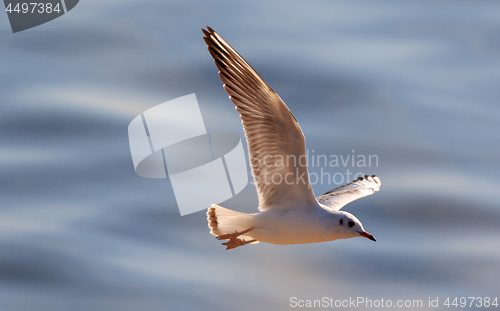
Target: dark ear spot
pixel 341 221
pixel 350 223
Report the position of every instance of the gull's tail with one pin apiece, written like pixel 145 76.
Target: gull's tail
pixel 223 221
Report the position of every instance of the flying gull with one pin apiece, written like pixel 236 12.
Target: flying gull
pixel 289 211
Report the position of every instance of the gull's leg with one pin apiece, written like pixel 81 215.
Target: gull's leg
pixel 235 242
pixel 233 235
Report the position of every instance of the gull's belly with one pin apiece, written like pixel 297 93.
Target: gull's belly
pixel 293 227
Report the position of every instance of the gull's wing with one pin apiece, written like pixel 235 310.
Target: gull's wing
pixel 359 188
pixel 276 145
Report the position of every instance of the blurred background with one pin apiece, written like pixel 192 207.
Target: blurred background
pixel 413 82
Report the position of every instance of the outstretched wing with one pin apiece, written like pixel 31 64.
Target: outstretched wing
pixel 359 188
pixel 276 145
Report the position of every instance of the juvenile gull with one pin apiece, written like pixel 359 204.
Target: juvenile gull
pixel 289 211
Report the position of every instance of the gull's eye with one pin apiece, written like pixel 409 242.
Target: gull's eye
pixel 350 223
pixel 341 221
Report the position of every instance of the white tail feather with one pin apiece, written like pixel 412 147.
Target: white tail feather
pixel 223 221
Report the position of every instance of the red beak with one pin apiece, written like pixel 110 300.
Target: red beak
pixel 367 235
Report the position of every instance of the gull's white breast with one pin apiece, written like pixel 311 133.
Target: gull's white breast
pixel 293 226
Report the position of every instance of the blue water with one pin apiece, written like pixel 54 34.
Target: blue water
pixel 413 82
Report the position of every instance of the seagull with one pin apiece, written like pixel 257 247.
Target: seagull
pixel 289 211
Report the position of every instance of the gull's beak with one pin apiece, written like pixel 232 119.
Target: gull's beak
pixel 367 235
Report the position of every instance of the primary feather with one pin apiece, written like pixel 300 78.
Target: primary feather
pixel 359 188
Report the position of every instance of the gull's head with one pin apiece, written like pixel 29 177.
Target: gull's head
pixel 349 226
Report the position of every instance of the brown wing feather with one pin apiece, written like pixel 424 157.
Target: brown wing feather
pixel 275 140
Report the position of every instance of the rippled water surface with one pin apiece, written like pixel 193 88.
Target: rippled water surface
pixel 413 82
